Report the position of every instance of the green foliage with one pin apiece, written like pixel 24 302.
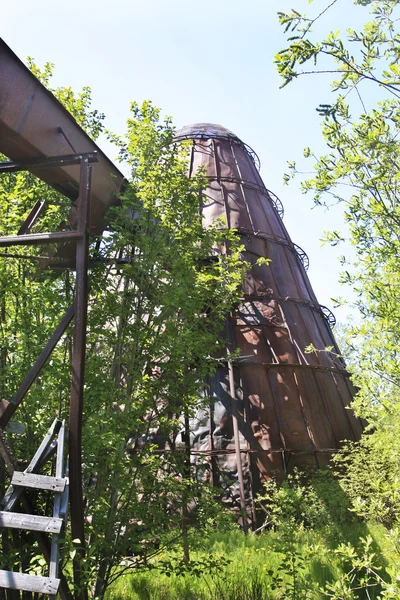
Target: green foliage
pixel 360 169
pixel 306 499
pixel 369 475
pixel 207 564
pixel 154 324
pixel 275 565
pixel 78 104
pixel 318 502
pixel 361 575
pixel 315 548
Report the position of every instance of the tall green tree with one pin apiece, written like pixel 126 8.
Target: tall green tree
pixel 155 322
pixel 161 287
pixel 360 169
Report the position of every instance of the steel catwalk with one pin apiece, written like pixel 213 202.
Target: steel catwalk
pixel 292 407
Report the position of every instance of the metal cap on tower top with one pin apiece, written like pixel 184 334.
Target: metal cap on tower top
pixel 204 130
pixel 207 131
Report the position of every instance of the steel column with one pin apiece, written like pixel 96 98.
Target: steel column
pixel 78 373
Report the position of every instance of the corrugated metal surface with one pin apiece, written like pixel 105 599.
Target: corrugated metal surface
pixel 292 405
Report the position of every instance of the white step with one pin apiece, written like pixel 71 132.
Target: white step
pixel 40 482
pixel 30 522
pixel 29 583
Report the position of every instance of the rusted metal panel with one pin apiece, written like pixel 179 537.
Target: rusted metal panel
pixel 292 405
pixel 33 123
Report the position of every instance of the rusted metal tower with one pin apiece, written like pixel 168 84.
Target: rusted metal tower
pixel 275 407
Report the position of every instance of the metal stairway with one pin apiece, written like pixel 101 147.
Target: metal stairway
pixel 53 444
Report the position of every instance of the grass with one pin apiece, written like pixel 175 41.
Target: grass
pixel 317 541
pixel 276 565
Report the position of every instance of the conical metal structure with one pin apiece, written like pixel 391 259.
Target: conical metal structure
pixel 292 407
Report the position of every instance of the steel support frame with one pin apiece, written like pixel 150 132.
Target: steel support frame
pixel 78 377
pixel 77 310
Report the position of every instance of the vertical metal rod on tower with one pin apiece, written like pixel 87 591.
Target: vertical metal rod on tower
pixel 78 374
pixel 237 444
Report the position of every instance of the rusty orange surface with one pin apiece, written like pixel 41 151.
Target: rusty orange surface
pixel 293 406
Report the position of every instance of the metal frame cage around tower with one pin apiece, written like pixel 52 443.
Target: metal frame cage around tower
pixel 290 407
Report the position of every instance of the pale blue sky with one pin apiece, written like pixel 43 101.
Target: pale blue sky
pixel 209 60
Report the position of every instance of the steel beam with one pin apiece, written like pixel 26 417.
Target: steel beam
pixel 7 409
pixel 50 161
pixel 33 239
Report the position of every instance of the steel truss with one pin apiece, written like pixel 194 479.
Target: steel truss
pixel 78 312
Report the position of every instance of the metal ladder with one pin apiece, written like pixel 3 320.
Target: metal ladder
pixel 52 443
